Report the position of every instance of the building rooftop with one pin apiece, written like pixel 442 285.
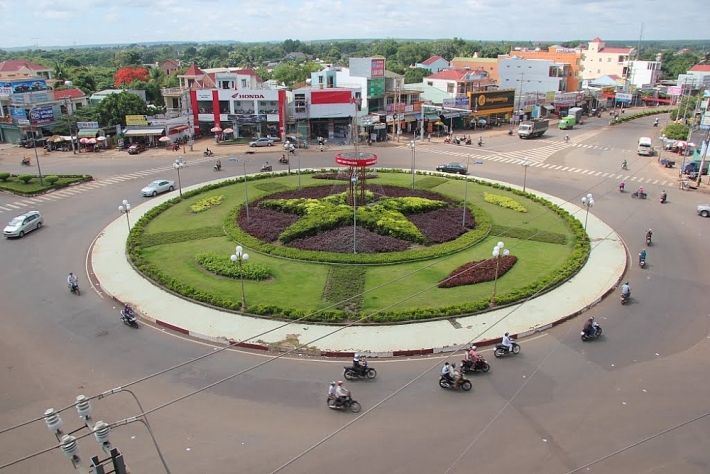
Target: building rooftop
pixel 483 60
pixel 432 60
pixel 428 93
pixel 700 68
pixel 453 74
pixel 69 94
pixel 15 65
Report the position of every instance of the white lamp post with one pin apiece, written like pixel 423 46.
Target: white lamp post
pixel 587 201
pixel 525 163
pixel 239 257
pixel 413 146
pixel 498 251
pixel 178 165
pixel 125 208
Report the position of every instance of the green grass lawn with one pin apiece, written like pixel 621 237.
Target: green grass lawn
pixel 300 285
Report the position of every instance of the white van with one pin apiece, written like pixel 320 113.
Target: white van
pixel 645 147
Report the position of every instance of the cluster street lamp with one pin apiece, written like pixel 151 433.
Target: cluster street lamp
pixel 499 250
pixel 178 165
pixel 125 208
pixel 240 257
pixel 525 163
pixel 413 146
pixel 587 201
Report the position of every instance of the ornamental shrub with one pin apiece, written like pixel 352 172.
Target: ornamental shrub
pixel 223 266
pixel 207 203
pixel 25 178
pixel 4 176
pixel 51 179
pixel 504 201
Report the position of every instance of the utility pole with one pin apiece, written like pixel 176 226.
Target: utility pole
pixel 397 98
pixel 70 116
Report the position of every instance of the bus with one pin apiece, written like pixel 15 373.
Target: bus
pixel 645 147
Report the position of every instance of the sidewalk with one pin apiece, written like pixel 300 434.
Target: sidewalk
pixel 601 274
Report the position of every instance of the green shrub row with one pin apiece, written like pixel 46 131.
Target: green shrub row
pixel 4 176
pixel 646 113
pixel 535 235
pixel 345 287
pixel 504 201
pixel 222 265
pixel 27 184
pixel 207 203
pixel 174 237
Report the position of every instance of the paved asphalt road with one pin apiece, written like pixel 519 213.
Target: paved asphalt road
pixel 557 406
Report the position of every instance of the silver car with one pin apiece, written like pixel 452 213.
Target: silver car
pixel 157 187
pixel 704 210
pixel 262 142
pixel 20 225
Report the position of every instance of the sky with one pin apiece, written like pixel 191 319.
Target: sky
pixel 74 22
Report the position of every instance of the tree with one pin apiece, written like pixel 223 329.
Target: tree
pixel 85 82
pixel 127 57
pixel 128 75
pixel 82 114
pixel 676 131
pixel 291 73
pixel 675 64
pixel 113 109
pixel 415 75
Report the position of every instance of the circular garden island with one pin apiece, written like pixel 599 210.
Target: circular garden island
pixel 414 254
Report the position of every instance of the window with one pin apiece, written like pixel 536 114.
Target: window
pixel 204 106
pixel 450 88
pixel 320 79
pixel 429 83
pixel 244 83
pixel 600 59
pixel 243 106
pixel 299 101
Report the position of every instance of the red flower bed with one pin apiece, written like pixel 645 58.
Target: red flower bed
pixel 477 272
pixel 265 224
pixel 341 240
pixel 442 225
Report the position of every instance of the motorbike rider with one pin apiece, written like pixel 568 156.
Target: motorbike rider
pixel 621 186
pixel 480 141
pixel 208 152
pixel 649 234
pixel 447 372
pixel 566 138
pixel 473 354
pixel 655 124
pixel 291 148
pixel 642 255
pixel 626 290
pixel 508 342
pixel 72 281
pixel 359 366
pixel 25 161
pixel 331 390
pixel 455 374
pixel 218 165
pixel 341 393
pixel 589 329
pixel 625 165
pixel 663 196
pixel 641 190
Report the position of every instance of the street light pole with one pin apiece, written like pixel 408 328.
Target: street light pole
pixel 178 165
pixel 498 251
pixel 413 146
pixel 587 201
pixel 526 163
pixel 68 106
pixel 246 191
pixel 125 208
pixel 354 185
pixel 465 193
pixel 240 257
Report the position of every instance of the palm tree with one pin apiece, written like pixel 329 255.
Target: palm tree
pixel 59 72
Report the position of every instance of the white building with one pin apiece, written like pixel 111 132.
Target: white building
pixel 434 64
pixel 532 75
pixel 598 60
pixel 645 73
pixel 698 76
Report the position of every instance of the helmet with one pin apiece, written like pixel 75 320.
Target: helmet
pixel 340 382
pixel 356 357
pixel 446 363
pixel 473 348
pixel 591 318
pixel 626 283
pixel 453 364
pixel 332 383
pixel 506 333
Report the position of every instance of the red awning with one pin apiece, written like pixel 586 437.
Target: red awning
pixel 177 129
pixel 657 99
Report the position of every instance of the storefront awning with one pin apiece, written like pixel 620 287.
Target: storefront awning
pixel 549 107
pixel 432 116
pixel 177 129
pixel 88 133
pixel 141 132
pixel 410 119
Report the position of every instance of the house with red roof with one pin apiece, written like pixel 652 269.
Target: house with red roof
pixel 20 68
pixel 434 64
pixel 169 66
pixel 457 82
pixel 599 60
pixel 698 77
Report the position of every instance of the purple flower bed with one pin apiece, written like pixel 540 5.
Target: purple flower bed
pixel 442 225
pixel 477 272
pixel 265 224
pixel 341 240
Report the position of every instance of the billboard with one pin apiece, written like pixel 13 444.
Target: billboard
pixel 20 87
pixel 377 68
pixel 369 68
pixel 623 97
pixel 87 125
pixel 40 115
pixel 247 118
pixel 136 120
pixel 18 114
pixel 489 100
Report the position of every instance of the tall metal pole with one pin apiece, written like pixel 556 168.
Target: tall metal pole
pixel 353 182
pixel 246 191
pixel 526 163
pixel 34 143
pixel 413 146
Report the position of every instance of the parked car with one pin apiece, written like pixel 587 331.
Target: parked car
pixel 157 187
pixel 262 142
pixel 136 148
pixel 704 210
pixel 20 225
pixel 273 138
pixel 452 168
pixel 297 142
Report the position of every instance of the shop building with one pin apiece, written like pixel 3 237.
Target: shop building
pixel 572 57
pixel 598 60
pixel 493 107
pixel 322 112
pixel 149 130
pixel 489 65
pixel 459 82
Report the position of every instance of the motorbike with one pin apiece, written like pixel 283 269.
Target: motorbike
pixel 655 124
pixel 25 163
pixel 468 141
pixel 283 160
pixel 639 195
pixel 74 288
pixel 265 168
pixel 216 168
pixel 642 262
pixel 625 297
pixel 463 384
pixel 207 152
pixel 648 239
pixel 480 142
pixel 348 404
pixel 621 188
pixel 480 366
pixel 351 373
pixel 502 350
pixel 129 319
pixel 597 332
pixel 663 198
pixel 510 131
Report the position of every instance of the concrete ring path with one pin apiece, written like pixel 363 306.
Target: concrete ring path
pixel 116 278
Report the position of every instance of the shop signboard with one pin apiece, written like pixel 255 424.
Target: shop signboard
pixel 375 87
pixel 40 115
pixel 623 97
pixel 139 120
pixel 565 99
pixel 377 68
pixel 18 114
pixel 489 100
pixel 457 103
pixel 203 94
pixel 20 87
pixel 248 118
pixel 87 125
pixel 675 90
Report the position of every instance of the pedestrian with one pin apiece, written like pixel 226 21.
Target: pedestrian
pixel 428 137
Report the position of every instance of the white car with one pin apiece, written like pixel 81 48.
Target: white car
pixel 157 187
pixel 704 210
pixel 20 225
pixel 262 142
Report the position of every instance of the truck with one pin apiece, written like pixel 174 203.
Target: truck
pixel 533 128
pixel 576 112
pixel 567 122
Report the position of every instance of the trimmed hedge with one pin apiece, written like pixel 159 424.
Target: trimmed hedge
pixel 27 185
pixel 207 203
pixel 529 234
pixel 646 113
pixel 223 266
pixel 4 176
pixel 504 201
pixel 162 238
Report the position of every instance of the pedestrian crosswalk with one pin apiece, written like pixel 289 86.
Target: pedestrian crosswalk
pixel 64 193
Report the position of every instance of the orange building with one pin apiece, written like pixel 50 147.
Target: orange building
pixel 570 56
pixel 490 65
